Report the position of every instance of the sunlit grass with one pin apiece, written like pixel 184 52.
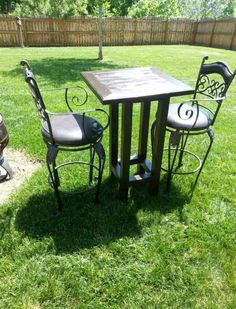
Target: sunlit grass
pixel 167 252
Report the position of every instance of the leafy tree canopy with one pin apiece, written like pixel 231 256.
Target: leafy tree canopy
pixel 194 9
pixel 55 8
pixel 201 9
pixel 121 7
pixel 110 7
pixel 7 6
pixel 157 8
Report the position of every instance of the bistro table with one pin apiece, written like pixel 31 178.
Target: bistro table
pixel 126 87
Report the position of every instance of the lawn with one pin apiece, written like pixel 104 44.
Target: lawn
pixel 151 252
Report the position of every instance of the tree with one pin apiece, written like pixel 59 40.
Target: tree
pixel 193 9
pixel 55 8
pixel 121 7
pixel 201 9
pixel 93 7
pixel 7 6
pixel 230 8
pixel 157 8
pixel 99 8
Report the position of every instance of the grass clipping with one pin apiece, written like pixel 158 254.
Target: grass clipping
pixel 23 167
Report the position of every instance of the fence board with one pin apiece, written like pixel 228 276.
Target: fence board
pixel 83 31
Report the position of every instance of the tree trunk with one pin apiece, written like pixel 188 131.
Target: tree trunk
pixel 9 7
pixel 100 56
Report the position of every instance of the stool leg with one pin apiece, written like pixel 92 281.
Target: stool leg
pixel 92 156
pixel 171 164
pixel 98 148
pixel 182 148
pixel 53 174
pixel 211 136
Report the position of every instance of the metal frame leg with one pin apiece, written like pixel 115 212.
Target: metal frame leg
pixel 53 174
pixel 184 140
pixel 211 136
pixel 98 148
pixel 171 164
pixel 92 156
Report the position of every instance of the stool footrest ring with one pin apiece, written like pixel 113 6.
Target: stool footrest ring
pixel 50 181
pixel 187 172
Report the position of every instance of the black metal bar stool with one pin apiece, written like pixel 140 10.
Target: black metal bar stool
pixel 195 117
pixel 71 131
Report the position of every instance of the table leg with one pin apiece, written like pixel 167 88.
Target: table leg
pixel 114 111
pixel 158 144
pixel 143 134
pixel 126 135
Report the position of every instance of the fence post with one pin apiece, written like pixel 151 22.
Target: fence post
pixel 100 33
pixel 195 28
pixel 184 34
pixel 19 24
pixel 233 35
pixel 166 31
pixel 135 32
pixel 151 32
pixel 212 33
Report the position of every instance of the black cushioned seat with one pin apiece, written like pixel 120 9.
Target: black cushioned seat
pixel 68 130
pixel 182 123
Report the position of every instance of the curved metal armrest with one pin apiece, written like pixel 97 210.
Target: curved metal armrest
pixel 92 110
pixel 82 113
pixel 194 108
pixel 58 113
pixel 72 97
pixel 98 110
pixel 204 100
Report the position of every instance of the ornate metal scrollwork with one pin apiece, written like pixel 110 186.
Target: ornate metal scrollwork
pixel 41 111
pixel 187 111
pixel 75 99
pixel 38 101
pixel 210 87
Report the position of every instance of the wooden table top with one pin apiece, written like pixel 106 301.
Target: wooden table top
pixel 133 85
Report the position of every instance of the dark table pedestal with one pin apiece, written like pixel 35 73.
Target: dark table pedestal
pixel 125 87
pixel 146 171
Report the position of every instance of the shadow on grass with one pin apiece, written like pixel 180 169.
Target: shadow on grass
pixel 83 224
pixel 59 71
pixel 162 202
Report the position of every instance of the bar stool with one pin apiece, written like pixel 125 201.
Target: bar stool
pixel 195 117
pixel 69 132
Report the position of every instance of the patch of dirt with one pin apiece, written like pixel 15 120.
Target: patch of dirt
pixel 23 167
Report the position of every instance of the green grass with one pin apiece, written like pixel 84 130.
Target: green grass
pixel 151 252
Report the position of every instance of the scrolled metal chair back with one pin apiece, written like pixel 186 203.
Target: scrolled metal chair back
pixel 213 82
pixel 34 89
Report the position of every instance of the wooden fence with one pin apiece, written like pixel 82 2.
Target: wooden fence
pixel 83 31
